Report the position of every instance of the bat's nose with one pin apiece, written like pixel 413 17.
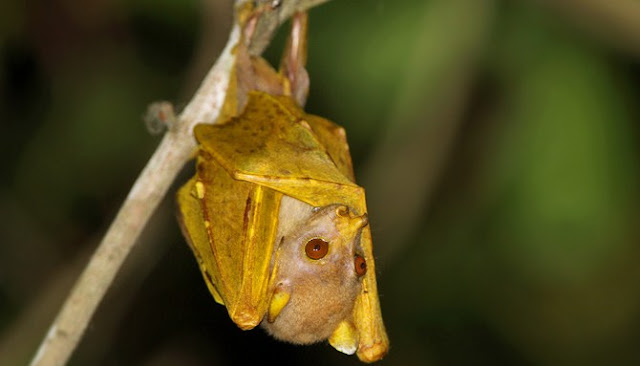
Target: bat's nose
pixel 350 226
pixel 348 223
pixel 360 221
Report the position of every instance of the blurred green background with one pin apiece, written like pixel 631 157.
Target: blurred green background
pixel 498 140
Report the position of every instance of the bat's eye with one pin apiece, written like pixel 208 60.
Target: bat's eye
pixel 361 265
pixel 316 248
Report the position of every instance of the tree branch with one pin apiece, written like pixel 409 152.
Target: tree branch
pixel 267 24
pixel 175 149
pixel 145 195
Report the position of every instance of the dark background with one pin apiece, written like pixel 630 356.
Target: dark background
pixel 498 141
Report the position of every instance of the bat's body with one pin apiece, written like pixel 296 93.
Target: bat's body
pixel 279 227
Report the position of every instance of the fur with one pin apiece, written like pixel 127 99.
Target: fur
pixel 322 291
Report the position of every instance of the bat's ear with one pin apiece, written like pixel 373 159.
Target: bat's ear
pixel 349 224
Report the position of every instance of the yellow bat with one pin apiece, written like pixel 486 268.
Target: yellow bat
pixel 279 228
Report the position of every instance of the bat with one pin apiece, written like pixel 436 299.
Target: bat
pixel 280 229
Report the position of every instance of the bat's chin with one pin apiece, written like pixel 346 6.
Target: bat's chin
pixel 312 316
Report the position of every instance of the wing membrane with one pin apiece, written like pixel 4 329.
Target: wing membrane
pixel 231 228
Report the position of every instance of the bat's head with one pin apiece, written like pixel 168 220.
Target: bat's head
pixel 318 274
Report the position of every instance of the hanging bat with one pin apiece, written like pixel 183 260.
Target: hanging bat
pixel 279 227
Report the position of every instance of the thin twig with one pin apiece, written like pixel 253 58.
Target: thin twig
pixel 267 24
pixel 145 195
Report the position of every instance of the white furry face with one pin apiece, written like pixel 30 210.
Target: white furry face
pixel 317 267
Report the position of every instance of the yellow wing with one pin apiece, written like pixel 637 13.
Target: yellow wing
pixel 330 135
pixel 231 227
pixel 281 150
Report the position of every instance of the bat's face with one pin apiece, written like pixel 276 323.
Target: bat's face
pixel 318 272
